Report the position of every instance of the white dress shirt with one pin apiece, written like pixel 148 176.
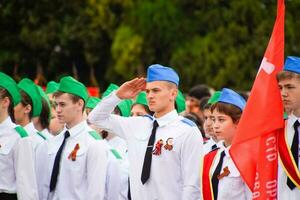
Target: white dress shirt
pixel 174 173
pixel 34 136
pixel 284 192
pixel 231 187
pixel 120 146
pixel 81 179
pixel 16 163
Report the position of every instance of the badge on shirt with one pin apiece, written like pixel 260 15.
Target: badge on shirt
pixel 169 144
pixel 158 145
pixel 225 172
pixel 73 153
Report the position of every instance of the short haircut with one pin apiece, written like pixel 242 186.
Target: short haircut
pixel 73 97
pixel 4 93
pixel 284 75
pixel 228 109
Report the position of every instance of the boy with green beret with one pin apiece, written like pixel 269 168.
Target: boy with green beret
pixel 73 165
pixel 29 108
pixel 17 180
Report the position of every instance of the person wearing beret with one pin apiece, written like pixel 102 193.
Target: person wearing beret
pixel 54 127
pixel 164 150
pixel 219 176
pixel 29 108
pixel 42 122
pixel 289 85
pixel 17 180
pixel 140 106
pixel 213 142
pixel 115 173
pixel 73 164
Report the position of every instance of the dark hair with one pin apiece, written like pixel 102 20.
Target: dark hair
pixel 199 91
pixel 74 98
pixel 26 100
pixel 203 103
pixel 228 109
pixel 5 93
pixel 44 117
pixel 283 75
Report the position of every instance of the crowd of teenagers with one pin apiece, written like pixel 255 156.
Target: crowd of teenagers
pixel 144 140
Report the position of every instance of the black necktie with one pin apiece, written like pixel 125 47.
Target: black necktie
pixel 294 149
pixel 55 169
pixel 148 155
pixel 215 180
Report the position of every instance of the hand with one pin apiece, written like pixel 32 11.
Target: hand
pixel 130 89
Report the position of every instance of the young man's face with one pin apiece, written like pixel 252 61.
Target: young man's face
pixel 67 111
pixel 161 96
pixel 290 93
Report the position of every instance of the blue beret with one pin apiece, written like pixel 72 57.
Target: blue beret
pixel 160 73
pixel 292 64
pixel 231 97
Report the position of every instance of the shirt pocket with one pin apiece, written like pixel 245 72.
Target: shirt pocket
pixel 6 147
pixel 75 161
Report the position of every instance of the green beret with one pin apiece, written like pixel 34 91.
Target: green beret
pixel 125 107
pixel 11 86
pixel 110 88
pixel 29 87
pixel 92 102
pixel 52 87
pixel 214 98
pixel 69 85
pixel 180 102
pixel 141 99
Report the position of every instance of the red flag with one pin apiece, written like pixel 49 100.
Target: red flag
pixel 254 149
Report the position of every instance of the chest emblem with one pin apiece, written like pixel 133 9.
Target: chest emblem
pixel 73 153
pixel 225 172
pixel 169 144
pixel 157 149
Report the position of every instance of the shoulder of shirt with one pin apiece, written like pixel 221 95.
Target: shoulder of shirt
pixel 21 131
pixel 188 122
pixel 148 116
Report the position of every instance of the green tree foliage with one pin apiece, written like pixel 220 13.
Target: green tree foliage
pixel 217 42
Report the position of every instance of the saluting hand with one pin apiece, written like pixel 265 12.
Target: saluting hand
pixel 130 89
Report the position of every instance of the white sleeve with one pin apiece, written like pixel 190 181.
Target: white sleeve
pixel 97 161
pixel 191 157
pixel 101 116
pixel 25 170
pixel 113 181
pixel 41 163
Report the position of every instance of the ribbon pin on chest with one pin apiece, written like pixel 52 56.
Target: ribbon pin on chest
pixel 158 145
pixel 225 172
pixel 73 154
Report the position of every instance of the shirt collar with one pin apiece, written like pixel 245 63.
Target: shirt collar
pixel 291 120
pixel 167 118
pixel 6 123
pixel 75 130
pixel 226 150
pixel 30 128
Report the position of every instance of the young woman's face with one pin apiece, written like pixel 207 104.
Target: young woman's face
pixel 223 126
